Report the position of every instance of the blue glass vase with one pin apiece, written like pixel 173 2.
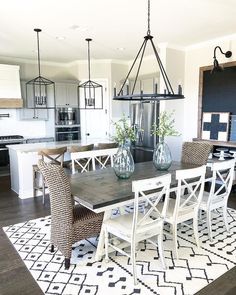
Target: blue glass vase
pixel 162 156
pixel 123 162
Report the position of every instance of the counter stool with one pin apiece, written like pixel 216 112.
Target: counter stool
pixel 76 149
pixel 54 156
pixel 104 146
pixel 109 145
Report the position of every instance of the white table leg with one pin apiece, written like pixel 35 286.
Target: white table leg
pixel 101 242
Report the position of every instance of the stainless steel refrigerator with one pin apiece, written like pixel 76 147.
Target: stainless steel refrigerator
pixel 143 115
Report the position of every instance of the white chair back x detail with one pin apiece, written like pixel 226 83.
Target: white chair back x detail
pixel 96 158
pixel 221 184
pixel 185 206
pixel 138 226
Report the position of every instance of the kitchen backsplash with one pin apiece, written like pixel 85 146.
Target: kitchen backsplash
pixel 12 126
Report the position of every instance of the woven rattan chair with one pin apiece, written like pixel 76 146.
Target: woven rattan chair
pixel 52 155
pixel 196 152
pixel 69 223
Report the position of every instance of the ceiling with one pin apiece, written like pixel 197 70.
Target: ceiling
pixel 112 24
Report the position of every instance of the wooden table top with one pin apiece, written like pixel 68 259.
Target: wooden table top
pixel 101 188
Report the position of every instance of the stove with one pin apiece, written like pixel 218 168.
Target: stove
pixel 10 139
pixel 4 155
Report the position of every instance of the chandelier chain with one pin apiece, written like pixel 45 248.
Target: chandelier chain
pixel 38 53
pixel 88 58
pixel 148 31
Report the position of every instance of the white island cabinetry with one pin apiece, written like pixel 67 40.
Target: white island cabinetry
pixel 24 156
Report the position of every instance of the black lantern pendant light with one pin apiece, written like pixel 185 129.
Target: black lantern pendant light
pixel 124 94
pixel 216 66
pixel 39 89
pixel 91 96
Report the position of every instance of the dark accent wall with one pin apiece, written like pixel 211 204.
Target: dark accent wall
pixel 219 91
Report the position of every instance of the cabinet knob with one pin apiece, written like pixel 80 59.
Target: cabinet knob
pixel 87 134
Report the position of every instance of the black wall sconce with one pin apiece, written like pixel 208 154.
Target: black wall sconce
pixel 216 66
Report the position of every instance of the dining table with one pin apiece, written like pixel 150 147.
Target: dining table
pixel 102 191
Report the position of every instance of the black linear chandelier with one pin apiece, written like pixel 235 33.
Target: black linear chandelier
pixel 216 66
pixel 124 94
pixel 91 96
pixel 39 88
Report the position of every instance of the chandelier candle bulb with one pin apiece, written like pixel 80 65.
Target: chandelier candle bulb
pixel 179 89
pixel 141 86
pixel 114 89
pixel 127 87
pixel 155 86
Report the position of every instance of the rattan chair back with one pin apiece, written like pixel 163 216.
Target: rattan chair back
pixel 196 152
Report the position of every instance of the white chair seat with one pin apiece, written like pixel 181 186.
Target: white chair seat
pixel 122 226
pixel 170 210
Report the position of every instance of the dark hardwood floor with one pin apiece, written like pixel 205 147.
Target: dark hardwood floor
pixel 14 276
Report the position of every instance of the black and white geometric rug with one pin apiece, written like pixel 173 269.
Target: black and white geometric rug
pixel 194 269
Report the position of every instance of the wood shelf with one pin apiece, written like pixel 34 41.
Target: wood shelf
pixel 217 142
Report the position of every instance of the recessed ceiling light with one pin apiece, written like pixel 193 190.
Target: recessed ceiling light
pixel 79 28
pixel 60 38
pixel 74 27
pixel 121 48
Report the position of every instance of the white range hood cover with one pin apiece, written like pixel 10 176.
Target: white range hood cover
pixel 10 90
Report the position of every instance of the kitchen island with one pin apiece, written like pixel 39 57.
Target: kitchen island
pixel 24 156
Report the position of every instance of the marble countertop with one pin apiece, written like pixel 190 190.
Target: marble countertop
pixel 34 147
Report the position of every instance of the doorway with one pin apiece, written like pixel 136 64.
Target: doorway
pixel 95 123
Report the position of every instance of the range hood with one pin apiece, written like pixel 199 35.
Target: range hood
pixel 10 91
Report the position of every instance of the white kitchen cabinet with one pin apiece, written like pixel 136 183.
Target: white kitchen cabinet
pixel 66 94
pixel 31 114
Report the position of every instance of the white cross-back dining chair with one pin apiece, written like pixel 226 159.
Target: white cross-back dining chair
pixel 185 206
pixel 97 159
pixel 138 226
pixel 217 197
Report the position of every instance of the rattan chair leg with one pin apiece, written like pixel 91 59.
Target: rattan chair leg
pixel 52 249
pixel 67 263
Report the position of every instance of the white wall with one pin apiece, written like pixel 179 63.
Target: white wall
pixel 175 62
pixel 118 72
